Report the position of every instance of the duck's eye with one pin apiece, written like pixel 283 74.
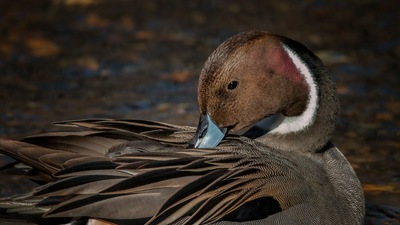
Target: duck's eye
pixel 232 85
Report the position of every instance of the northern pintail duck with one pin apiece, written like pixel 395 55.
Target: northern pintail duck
pixel 261 153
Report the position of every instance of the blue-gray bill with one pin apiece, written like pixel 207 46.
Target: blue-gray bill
pixel 208 134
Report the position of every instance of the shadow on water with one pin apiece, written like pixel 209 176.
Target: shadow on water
pixel 63 60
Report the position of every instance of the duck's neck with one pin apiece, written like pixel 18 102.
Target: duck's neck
pixel 311 130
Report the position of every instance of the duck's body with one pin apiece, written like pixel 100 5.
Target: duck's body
pixel 281 171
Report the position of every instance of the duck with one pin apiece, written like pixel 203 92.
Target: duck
pixel 261 153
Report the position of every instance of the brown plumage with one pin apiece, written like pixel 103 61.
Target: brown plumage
pixel 282 170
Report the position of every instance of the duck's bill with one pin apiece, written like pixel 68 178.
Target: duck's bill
pixel 208 134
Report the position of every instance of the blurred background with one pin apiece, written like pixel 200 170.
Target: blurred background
pixel 72 59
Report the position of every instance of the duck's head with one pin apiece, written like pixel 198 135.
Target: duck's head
pixel 258 79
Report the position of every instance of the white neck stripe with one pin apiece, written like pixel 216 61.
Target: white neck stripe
pixel 297 123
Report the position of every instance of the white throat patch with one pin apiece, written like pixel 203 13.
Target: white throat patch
pixel 297 123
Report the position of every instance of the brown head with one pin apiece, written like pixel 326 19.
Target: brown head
pixel 255 75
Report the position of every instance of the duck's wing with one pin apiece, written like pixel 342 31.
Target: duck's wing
pixel 157 131
pixel 188 186
pixel 98 136
pixel 91 140
pixel 44 162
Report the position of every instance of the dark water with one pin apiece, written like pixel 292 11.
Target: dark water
pixel 72 59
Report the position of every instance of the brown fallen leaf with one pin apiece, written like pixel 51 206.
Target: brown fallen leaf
pixel 341 89
pixel 5 48
pixel 88 63
pixel 377 188
pixel 96 21
pixel 393 106
pixel 144 34
pixel 384 116
pixel 42 47
pixel 179 76
pixel 78 2
pixel 127 22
